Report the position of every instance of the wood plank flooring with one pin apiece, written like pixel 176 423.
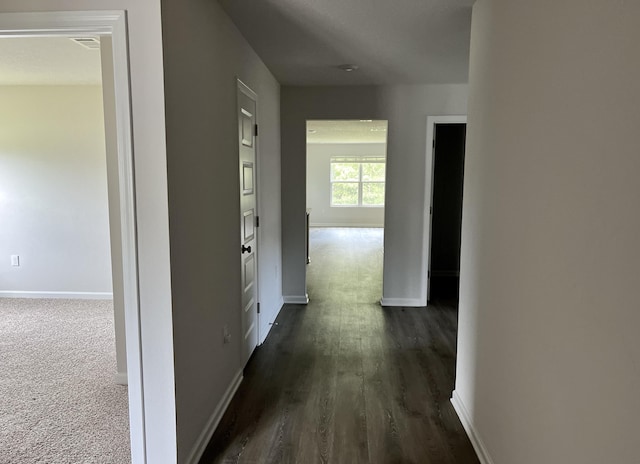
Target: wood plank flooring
pixel 343 380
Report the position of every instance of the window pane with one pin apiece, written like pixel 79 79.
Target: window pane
pixel 373 194
pixel 373 171
pixel 345 171
pixel 343 193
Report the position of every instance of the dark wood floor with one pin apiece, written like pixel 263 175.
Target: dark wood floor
pixel 343 380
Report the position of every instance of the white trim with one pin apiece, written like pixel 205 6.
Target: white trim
pixel 428 199
pixel 465 418
pixel 56 295
pixel 338 224
pixel 129 242
pixel 206 434
pixel 121 378
pixel 397 302
pixel 258 230
pixel 59 23
pixel 296 299
pixel 113 23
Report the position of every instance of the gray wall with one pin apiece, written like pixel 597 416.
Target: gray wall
pixel 322 214
pixel 548 350
pixel 406 108
pixel 204 203
pixel 53 192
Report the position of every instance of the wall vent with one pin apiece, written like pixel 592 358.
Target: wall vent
pixel 88 42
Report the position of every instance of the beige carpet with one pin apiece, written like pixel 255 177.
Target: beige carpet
pixel 58 399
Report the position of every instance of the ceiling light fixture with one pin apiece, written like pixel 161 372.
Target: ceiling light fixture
pixel 366 120
pixel 348 67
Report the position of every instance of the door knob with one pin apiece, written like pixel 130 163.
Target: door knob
pixel 246 249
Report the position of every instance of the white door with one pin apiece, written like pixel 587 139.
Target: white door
pixel 248 242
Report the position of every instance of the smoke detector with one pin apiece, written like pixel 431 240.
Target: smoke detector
pixel 348 67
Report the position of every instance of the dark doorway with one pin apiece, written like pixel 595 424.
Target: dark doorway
pixel 446 221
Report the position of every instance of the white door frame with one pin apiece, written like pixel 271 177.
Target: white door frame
pixel 113 24
pixel 428 197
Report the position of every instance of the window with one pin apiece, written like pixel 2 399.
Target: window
pixel 357 181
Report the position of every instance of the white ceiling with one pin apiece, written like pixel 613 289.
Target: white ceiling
pixel 47 61
pixel 301 41
pixel 392 41
pixel 347 131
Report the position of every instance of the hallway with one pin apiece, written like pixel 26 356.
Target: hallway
pixel 343 380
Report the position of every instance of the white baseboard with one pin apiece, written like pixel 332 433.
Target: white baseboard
pixel 214 420
pixel 410 302
pixel 338 224
pixel 61 295
pixel 296 299
pixel 121 378
pixel 465 418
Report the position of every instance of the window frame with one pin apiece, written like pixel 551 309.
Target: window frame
pixel 360 160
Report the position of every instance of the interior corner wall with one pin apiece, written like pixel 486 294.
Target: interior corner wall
pixel 406 108
pixel 53 192
pixel 322 214
pixel 204 205
pixel 548 349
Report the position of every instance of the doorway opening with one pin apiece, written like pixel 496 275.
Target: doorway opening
pixel 60 323
pixel 105 31
pixel 346 175
pixel 448 135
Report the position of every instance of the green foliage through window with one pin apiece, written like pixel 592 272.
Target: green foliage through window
pixel 357 181
pixel 345 171
pixel 344 194
pixel 372 194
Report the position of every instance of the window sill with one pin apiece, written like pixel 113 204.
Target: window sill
pixel 358 206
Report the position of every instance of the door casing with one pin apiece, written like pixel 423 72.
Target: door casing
pixel 108 24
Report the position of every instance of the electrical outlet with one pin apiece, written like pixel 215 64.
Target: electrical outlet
pixel 15 260
pixel 226 334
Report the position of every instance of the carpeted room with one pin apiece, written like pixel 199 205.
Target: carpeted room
pixel 60 400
